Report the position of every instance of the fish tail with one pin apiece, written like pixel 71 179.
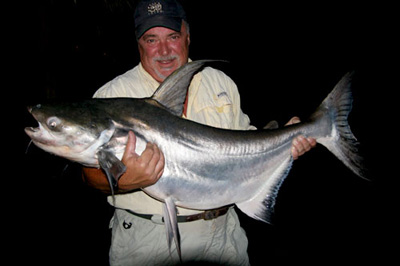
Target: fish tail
pixel 341 141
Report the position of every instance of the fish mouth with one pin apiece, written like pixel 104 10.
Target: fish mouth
pixel 32 130
pixel 34 133
pixel 29 130
pixel 37 135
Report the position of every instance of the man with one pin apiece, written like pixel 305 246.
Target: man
pixel 138 233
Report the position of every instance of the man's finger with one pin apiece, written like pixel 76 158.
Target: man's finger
pixel 152 155
pixel 160 164
pixel 148 154
pixel 293 120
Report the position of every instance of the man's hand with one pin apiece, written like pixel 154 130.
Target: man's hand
pixel 300 144
pixel 143 170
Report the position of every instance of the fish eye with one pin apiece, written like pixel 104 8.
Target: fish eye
pixel 53 122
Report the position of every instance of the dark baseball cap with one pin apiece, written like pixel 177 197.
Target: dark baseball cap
pixel 158 13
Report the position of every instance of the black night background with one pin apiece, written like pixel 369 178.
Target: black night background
pixel 285 58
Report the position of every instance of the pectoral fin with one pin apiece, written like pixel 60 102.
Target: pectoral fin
pixel 171 225
pixel 112 166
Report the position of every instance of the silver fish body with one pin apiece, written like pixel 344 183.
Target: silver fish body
pixel 205 167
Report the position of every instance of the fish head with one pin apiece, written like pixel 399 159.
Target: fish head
pixel 69 131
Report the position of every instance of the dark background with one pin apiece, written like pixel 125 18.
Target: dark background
pixel 284 57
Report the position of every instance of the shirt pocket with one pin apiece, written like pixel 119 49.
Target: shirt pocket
pixel 216 110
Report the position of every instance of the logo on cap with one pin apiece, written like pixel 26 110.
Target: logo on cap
pixel 154 8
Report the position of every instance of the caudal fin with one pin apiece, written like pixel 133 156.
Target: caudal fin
pixel 337 106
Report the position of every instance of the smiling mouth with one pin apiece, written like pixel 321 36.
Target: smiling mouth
pixel 166 62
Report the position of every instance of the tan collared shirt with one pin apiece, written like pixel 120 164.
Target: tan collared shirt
pixel 213 100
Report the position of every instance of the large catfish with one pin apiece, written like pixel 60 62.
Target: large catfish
pixel 205 167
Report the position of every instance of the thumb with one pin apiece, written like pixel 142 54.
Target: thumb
pixel 130 146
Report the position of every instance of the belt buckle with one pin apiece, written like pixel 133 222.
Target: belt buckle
pixel 209 215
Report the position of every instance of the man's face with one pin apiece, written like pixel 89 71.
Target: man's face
pixel 163 50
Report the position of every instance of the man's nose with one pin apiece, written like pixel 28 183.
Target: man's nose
pixel 164 48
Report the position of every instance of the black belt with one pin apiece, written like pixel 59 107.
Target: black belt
pixel 205 215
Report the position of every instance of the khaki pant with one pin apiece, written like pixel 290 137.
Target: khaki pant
pixel 139 241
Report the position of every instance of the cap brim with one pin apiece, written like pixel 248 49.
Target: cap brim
pixel 159 21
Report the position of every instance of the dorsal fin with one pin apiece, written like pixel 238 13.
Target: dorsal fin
pixel 172 92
